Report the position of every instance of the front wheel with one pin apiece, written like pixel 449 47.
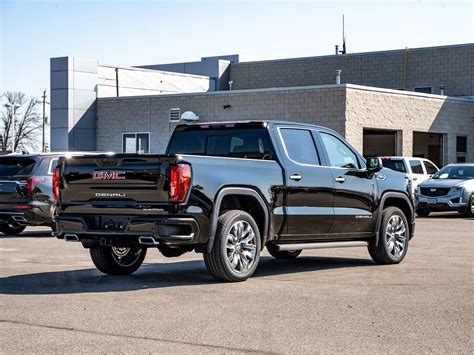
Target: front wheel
pixel 11 228
pixel 236 250
pixel 469 212
pixel 393 238
pixel 282 254
pixel 117 260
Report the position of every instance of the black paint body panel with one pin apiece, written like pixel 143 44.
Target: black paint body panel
pixel 315 208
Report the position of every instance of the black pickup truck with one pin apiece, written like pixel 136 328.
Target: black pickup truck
pixel 229 189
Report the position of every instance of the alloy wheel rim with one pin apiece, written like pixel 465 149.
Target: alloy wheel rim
pixel 396 236
pixel 126 256
pixel 241 247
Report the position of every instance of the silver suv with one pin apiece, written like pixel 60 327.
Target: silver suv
pixel 450 189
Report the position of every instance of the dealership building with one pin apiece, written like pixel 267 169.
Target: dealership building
pixel 412 102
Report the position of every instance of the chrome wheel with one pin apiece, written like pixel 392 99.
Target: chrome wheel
pixel 126 256
pixel 396 236
pixel 241 247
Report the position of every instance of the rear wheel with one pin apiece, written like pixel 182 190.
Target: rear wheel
pixel 282 254
pixel 11 228
pixel 423 212
pixel 236 250
pixel 117 260
pixel 393 238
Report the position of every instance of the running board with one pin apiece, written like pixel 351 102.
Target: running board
pixel 298 246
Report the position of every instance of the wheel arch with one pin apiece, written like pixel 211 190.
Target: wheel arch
pixel 400 200
pixel 241 194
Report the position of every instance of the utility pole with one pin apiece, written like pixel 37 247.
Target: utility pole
pixel 44 118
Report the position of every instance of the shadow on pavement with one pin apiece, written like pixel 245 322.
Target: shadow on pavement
pixel 447 215
pixel 29 234
pixel 151 276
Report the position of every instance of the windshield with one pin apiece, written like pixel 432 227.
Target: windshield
pixel 394 164
pixel 10 167
pixel 237 143
pixel 461 172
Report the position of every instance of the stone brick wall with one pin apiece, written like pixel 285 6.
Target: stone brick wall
pixel 451 66
pixel 322 105
pixel 347 109
pixel 409 112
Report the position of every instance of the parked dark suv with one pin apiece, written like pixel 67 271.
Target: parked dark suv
pixel 26 196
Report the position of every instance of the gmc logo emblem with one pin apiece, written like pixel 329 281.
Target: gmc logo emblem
pixel 108 175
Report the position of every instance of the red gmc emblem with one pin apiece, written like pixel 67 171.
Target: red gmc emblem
pixel 108 175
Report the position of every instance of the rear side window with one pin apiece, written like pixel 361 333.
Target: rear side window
pixel 52 164
pixel 395 164
pixel 430 168
pixel 416 167
pixel 16 166
pixel 299 146
pixel 237 143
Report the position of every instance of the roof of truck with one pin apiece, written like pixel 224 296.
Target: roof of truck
pixel 261 123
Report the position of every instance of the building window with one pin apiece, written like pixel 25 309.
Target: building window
pixel 136 142
pixel 424 89
pixel 461 149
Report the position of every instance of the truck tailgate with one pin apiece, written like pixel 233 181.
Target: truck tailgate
pixel 104 179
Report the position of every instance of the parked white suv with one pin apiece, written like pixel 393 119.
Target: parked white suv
pixel 416 170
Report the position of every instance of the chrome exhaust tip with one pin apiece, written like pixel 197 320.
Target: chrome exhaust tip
pixel 19 219
pixel 147 240
pixel 71 238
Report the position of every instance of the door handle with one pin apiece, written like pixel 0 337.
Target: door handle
pixel 296 177
pixel 340 179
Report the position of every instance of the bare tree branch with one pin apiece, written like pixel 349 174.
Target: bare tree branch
pixel 27 121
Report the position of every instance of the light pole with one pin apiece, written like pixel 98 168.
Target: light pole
pixel 44 102
pixel 13 108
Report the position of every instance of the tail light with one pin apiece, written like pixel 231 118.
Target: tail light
pixel 31 185
pixel 180 179
pixel 56 184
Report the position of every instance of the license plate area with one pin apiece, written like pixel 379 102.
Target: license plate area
pixel 431 201
pixel 107 223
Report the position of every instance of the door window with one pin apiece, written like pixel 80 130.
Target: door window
pixel 430 168
pixel 299 146
pixel 416 167
pixel 339 154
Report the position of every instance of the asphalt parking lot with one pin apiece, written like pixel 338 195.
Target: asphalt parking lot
pixel 53 300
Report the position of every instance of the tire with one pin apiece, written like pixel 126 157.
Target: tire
pixel 393 238
pixel 469 212
pixel 237 238
pixel 282 254
pixel 423 212
pixel 11 229
pixel 116 260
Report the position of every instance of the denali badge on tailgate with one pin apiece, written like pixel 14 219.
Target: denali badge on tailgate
pixel 108 175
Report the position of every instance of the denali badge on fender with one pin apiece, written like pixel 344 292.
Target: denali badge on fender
pixel 108 175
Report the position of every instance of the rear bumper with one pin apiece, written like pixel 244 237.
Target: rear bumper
pixel 166 230
pixel 30 216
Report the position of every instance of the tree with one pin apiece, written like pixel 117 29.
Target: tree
pixel 27 121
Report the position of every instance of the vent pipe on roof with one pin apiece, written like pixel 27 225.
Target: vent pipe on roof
pixel 441 90
pixel 337 49
pixel 338 76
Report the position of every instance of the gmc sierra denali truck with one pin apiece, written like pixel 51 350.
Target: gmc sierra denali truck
pixel 229 189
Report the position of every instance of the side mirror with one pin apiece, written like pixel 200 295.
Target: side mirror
pixel 374 164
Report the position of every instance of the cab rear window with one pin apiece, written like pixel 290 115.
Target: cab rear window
pixel 10 166
pixel 395 164
pixel 237 143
